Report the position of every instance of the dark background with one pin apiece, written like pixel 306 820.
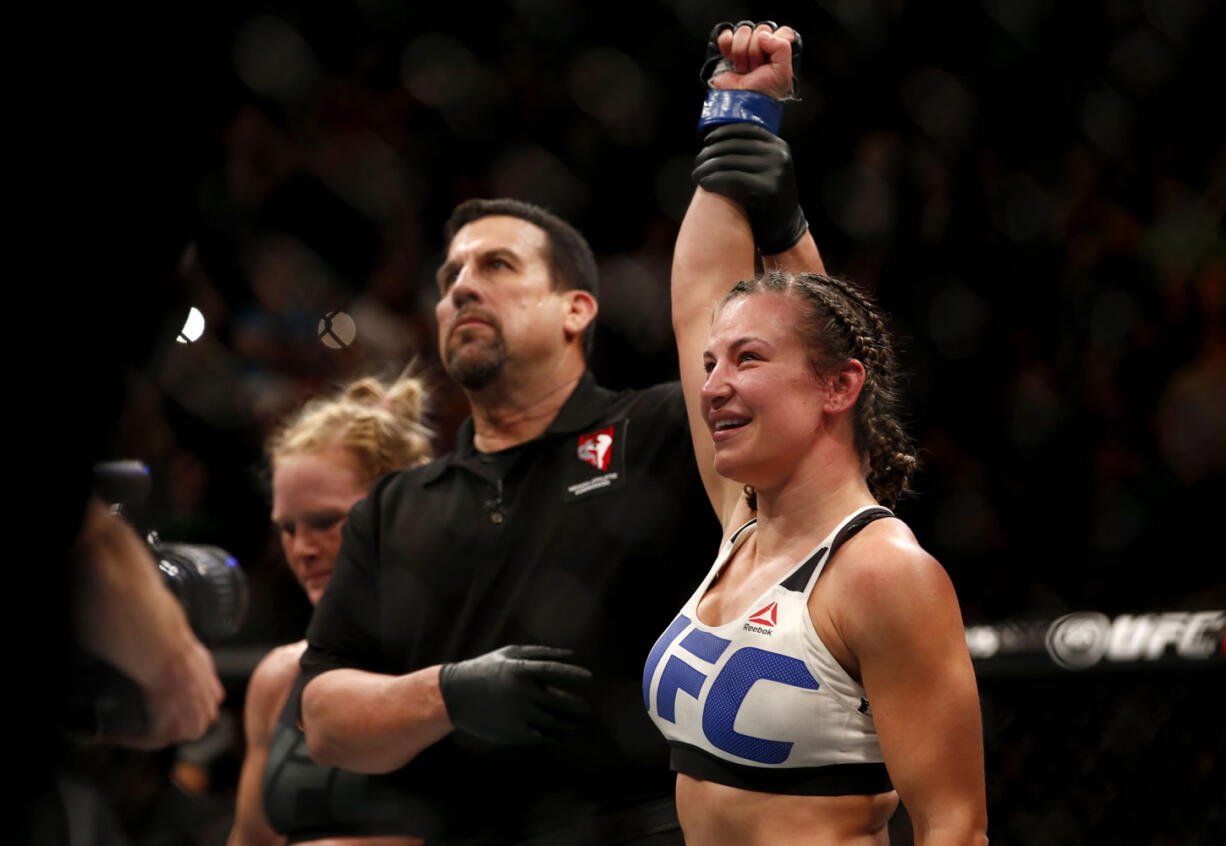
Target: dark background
pixel 1034 190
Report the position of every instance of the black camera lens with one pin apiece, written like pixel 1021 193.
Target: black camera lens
pixel 206 580
pixel 208 584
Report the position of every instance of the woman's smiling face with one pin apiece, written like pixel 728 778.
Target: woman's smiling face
pixel 762 400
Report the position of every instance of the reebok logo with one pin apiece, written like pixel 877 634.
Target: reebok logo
pixel 595 448
pixel 765 620
pixel 768 616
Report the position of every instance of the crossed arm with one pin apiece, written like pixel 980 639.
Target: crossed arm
pixel 373 723
pixel 715 245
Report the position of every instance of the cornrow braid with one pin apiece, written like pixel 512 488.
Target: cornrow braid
pixel 840 323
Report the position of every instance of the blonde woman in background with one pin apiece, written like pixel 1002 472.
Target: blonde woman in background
pixel 324 459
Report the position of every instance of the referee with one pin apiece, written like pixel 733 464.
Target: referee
pixel 484 632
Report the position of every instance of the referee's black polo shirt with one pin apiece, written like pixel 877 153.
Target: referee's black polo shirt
pixel 590 538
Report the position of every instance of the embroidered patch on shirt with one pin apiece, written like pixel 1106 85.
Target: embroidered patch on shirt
pixel 599 462
pixel 596 448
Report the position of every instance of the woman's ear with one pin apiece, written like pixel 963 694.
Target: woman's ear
pixel 843 386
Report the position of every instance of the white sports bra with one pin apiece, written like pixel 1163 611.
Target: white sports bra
pixel 759 702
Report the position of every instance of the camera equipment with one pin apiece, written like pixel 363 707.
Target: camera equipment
pixel 206 581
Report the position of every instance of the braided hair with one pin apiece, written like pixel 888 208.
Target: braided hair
pixel 840 322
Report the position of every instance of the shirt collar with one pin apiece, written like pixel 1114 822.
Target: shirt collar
pixel 586 404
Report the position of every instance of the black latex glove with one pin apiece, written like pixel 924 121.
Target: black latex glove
pixel 753 167
pixel 516 694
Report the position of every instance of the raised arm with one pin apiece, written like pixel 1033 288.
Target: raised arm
pixel 745 204
pixel 714 250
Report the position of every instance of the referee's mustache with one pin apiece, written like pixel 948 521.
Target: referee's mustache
pixel 470 313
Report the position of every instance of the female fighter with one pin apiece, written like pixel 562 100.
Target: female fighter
pixel 323 460
pixel 819 673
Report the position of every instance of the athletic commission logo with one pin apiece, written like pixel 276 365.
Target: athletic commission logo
pixel 594 448
pixel 604 450
pixel 1078 640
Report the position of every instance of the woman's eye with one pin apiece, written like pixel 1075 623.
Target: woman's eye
pixel 322 524
pixel 747 356
pixel 286 528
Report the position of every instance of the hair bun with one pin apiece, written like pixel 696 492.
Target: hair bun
pixel 405 399
pixel 381 426
pixel 367 391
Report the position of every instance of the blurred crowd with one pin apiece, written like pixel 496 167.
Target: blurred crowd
pixel 1035 191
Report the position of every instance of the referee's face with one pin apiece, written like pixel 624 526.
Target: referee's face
pixel 498 303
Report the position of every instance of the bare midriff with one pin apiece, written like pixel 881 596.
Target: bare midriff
pixel 718 815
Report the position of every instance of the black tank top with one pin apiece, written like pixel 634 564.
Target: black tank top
pixel 304 801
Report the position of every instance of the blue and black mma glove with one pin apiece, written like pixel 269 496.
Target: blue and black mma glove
pixel 744 159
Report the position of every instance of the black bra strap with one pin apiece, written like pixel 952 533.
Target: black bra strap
pixel 799 578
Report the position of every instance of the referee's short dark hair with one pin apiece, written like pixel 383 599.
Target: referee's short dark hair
pixel 571 262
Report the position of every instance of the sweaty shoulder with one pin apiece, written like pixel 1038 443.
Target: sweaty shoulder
pixel 269 687
pixel 883 561
pixel 882 579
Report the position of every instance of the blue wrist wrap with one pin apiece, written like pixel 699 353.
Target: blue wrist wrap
pixel 740 107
